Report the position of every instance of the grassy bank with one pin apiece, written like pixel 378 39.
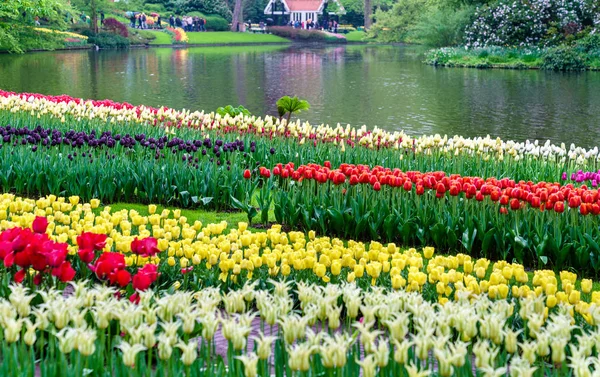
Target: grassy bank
pixel 356 36
pixel 228 37
pixel 564 58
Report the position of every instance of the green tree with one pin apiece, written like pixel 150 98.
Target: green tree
pixel 15 13
pixel 396 24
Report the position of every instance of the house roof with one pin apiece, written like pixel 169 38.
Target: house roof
pixel 304 5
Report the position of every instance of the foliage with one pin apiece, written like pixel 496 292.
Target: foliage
pixel 233 111
pixel 15 13
pixel 518 23
pixel 581 55
pixel 216 23
pixel 113 26
pixel 109 40
pixel 441 26
pixel 564 58
pixel 396 24
pixel 290 105
pixel 487 57
pixel 155 8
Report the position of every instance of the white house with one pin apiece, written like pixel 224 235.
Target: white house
pixel 301 10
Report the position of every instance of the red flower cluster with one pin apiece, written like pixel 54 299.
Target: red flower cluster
pixel 111 266
pixel 516 195
pixel 146 247
pixel 26 249
pixel 88 244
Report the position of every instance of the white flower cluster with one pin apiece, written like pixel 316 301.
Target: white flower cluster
pixel 525 23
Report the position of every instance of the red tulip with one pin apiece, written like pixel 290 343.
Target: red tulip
pixel 86 255
pixel 64 272
pixel 93 241
pixel 479 196
pixel 440 188
pixel 40 224
pixel 454 190
pixel 353 180
pixel 407 186
pixel 377 186
pixel 503 210
pixel 145 277
pixel 19 276
pixel 559 207
pixel 420 190
pixel 247 174
pixel 574 201
pixel 146 247
pixel 515 204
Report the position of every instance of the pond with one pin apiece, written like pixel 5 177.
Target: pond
pixel 384 86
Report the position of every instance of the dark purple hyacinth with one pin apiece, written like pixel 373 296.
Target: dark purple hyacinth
pixel 87 143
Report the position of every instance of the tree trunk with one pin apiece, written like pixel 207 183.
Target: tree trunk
pixel 94 18
pixel 238 18
pixel 368 11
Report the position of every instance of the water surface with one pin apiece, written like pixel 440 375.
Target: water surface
pixel 384 86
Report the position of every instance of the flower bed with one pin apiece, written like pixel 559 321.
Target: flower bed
pixel 338 330
pixel 120 152
pixel 196 256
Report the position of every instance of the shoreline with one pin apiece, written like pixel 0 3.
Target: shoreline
pixel 183 46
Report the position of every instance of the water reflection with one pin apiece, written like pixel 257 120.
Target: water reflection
pixel 385 86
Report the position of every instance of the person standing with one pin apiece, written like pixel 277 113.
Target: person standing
pixel 132 20
pixel 101 17
pixel 145 26
pixel 158 21
pixel 177 21
pixel 139 21
pixel 171 21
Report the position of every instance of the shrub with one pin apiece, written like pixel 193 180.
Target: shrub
pixel 109 40
pixel 298 34
pixel 216 23
pixel 442 27
pixel 589 43
pixel 563 58
pixel 154 8
pixel 111 25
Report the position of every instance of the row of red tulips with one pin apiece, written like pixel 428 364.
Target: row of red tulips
pixel 507 192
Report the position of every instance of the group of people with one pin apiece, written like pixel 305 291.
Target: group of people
pixel 188 23
pixel 331 26
pixel 142 21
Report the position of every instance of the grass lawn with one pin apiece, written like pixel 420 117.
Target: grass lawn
pixel 228 37
pixel 206 217
pixel 162 38
pixel 355 36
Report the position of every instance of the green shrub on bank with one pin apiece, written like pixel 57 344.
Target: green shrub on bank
pixel 108 41
pixel 216 23
pixel 564 58
pixel 582 55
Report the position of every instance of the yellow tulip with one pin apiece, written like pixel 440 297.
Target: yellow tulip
pixel 428 252
pixel 586 286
